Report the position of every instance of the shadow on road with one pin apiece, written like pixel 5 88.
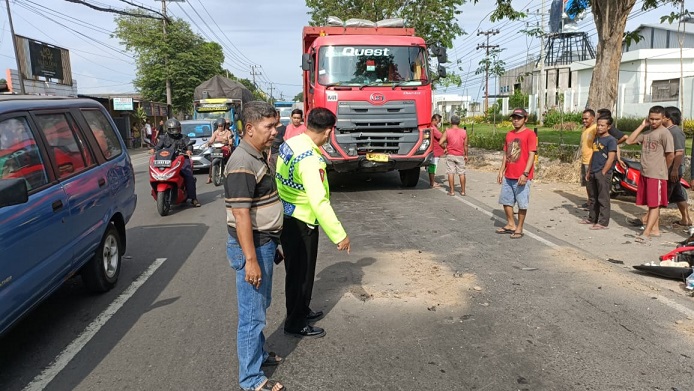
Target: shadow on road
pixel 332 283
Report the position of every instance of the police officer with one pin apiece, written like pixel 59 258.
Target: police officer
pixel 174 138
pixel 303 187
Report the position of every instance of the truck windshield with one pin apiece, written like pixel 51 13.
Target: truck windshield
pixel 212 115
pixel 360 65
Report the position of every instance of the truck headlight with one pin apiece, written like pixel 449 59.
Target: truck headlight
pixel 329 149
pixel 426 142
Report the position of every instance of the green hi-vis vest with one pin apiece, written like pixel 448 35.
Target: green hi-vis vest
pixel 303 186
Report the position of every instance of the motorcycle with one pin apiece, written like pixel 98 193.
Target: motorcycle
pixel 219 153
pixel 676 264
pixel 625 180
pixel 168 185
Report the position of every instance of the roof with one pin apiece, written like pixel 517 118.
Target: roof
pixel 688 28
pixel 640 54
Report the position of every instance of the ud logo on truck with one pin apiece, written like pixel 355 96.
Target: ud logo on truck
pixel 377 97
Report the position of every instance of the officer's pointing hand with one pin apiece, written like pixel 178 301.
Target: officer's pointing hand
pixel 344 245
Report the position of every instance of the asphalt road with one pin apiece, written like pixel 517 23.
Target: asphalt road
pixel 430 298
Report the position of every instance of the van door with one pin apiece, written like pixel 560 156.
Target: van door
pixel 35 257
pixel 84 183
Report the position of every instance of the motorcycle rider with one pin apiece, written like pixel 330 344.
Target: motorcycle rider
pixel 174 138
pixel 223 135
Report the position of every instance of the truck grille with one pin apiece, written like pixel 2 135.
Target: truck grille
pixel 389 128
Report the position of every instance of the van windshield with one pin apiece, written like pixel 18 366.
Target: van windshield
pixel 364 65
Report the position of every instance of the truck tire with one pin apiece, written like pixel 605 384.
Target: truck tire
pixel 100 274
pixel 409 177
pixel 163 202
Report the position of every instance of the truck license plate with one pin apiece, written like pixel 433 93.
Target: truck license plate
pixel 377 157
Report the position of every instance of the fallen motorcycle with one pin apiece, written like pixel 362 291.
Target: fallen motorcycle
pixel 625 180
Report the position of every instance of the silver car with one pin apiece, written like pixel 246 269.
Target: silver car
pixel 200 131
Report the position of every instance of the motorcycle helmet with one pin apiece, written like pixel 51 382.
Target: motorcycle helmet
pixel 173 127
pixel 220 122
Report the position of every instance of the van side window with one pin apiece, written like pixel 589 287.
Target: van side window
pixel 19 154
pixel 64 143
pixel 103 132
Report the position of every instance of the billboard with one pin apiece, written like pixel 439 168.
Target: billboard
pixel 42 60
pixel 123 104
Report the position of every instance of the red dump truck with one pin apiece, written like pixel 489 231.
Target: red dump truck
pixel 377 81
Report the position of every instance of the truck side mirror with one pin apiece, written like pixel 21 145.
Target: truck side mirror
pixel 441 71
pixel 306 62
pixel 443 56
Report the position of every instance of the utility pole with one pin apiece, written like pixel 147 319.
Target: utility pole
pixel 254 74
pixel 486 65
pixel 271 99
pixel 166 60
pixel 542 79
pixel 16 53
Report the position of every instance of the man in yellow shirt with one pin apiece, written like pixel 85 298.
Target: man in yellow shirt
pixel 302 183
pixel 587 138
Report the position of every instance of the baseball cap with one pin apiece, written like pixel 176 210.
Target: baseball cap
pixel 519 112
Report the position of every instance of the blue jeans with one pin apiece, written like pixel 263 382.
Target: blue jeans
pixel 252 306
pixel 189 179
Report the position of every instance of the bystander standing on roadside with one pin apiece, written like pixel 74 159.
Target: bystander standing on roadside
pixel 455 142
pixel 254 223
pixel 614 132
pixel 657 153
pixel 587 138
pixel 302 182
pixel 438 149
pixel 516 173
pixel 279 139
pixel 295 127
pixel 599 176
pixel 676 193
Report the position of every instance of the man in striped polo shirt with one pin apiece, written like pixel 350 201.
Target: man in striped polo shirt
pixel 254 222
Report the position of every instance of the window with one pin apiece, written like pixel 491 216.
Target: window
pixel 665 90
pixel 103 132
pixel 19 154
pixel 65 143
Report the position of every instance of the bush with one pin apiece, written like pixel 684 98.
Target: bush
pixel 554 117
pixel 566 126
pixel 493 142
pixel 628 124
pixel 564 153
pixel 688 127
pixel 532 118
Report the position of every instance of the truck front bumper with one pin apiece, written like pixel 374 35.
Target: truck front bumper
pixel 361 164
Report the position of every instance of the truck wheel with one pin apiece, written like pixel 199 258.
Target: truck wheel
pixel 409 177
pixel 100 274
pixel 163 202
pixel 216 174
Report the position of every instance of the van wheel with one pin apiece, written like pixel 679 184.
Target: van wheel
pixel 101 273
pixel 409 177
pixel 163 202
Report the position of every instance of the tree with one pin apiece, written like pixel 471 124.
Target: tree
pixel 185 57
pixel 435 21
pixel 299 97
pixel 610 21
pixel 518 99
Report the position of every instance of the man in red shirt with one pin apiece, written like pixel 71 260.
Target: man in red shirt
pixel 295 127
pixel 438 149
pixel 455 141
pixel 516 173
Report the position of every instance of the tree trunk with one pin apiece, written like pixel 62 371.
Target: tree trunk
pixel 610 21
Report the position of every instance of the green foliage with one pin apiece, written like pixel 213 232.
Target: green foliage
pixel 628 124
pixel 299 97
pixel 562 152
pixel 185 57
pixel 554 117
pixel 490 141
pixel 518 99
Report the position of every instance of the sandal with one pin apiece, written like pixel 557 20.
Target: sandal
pixel 585 221
pixel 597 227
pixel 209 180
pixel 195 203
pixel 272 360
pixel 271 385
pixel 642 240
pixel 681 224
pixel 516 235
pixel 503 230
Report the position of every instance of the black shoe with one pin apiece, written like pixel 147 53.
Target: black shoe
pixel 307 332
pixel 314 316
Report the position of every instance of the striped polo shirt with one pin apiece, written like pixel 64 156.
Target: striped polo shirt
pixel 250 184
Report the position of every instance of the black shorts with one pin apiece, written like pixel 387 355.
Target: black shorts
pixel 675 192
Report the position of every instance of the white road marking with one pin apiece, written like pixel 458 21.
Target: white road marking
pixel 503 221
pixel 48 374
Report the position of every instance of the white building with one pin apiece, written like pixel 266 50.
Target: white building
pixel 449 104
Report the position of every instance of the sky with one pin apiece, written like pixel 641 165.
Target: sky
pixel 262 33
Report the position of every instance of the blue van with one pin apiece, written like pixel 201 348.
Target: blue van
pixel 67 190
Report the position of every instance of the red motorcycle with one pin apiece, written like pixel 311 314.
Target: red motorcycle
pixel 625 180
pixel 168 185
